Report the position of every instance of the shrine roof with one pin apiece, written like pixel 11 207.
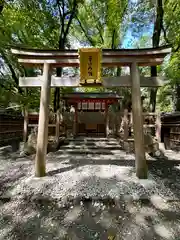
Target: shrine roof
pixel 94 95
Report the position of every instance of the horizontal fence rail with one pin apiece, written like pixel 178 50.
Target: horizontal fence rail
pixel 11 128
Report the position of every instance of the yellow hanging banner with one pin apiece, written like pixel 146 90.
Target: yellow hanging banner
pixel 90 64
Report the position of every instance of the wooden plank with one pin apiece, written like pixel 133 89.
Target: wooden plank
pixel 105 52
pixel 141 167
pixel 110 64
pixel 55 81
pixel 118 61
pixel 35 125
pixel 110 55
pixel 149 113
pixel 42 138
pixel 123 81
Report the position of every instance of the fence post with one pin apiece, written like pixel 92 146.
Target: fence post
pixel 57 125
pixel 125 125
pixel 26 120
pixel 158 127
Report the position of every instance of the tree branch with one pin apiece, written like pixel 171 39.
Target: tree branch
pixel 63 6
pixel 59 8
pixel 165 35
pixel 73 12
pixel 85 33
pixel 177 49
pixel 61 23
pixel 2 2
pixel 113 38
pixel 100 34
pixel 13 73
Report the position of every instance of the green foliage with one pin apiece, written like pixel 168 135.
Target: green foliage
pixel 43 24
pixel 164 98
pixel 99 23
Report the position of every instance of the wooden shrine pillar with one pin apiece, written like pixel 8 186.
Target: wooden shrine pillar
pixel 106 119
pixel 158 127
pixel 125 125
pixel 57 125
pixel 75 122
pixel 26 120
pixel 42 139
pixel 141 166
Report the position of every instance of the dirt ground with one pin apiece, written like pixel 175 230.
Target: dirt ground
pixel 89 196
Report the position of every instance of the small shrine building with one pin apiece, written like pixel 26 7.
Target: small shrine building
pixel 91 112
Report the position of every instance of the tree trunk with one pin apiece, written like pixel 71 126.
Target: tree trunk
pixel 59 74
pixel 63 40
pixel 57 92
pixel 158 26
pixel 177 98
pixel 2 2
pixel 153 93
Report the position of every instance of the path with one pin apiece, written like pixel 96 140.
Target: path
pixel 90 192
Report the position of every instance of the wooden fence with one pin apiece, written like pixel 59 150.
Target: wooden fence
pixel 171 130
pixel 11 128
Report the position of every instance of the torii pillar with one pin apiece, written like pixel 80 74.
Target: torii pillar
pixel 141 166
pixel 42 139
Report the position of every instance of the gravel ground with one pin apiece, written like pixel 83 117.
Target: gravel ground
pixel 90 192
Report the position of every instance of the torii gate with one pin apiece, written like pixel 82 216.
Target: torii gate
pixel 49 59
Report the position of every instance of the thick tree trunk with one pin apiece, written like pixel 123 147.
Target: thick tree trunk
pixel 158 26
pixel 64 31
pixel 177 97
pixel 153 93
pixel 57 90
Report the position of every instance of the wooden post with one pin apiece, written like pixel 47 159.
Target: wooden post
pixel 106 119
pixel 116 124
pixel 57 125
pixel 42 139
pixel 75 122
pixel 158 127
pixel 125 125
pixel 130 123
pixel 141 166
pixel 26 120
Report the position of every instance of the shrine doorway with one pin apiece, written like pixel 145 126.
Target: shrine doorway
pixel 91 112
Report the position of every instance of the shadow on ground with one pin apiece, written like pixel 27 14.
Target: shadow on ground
pixel 166 171
pixel 39 216
pixel 46 218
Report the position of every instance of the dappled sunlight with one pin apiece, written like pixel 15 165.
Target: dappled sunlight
pixel 111 171
pixel 106 219
pixel 163 231
pixel 141 221
pixel 80 218
pixel 5 231
pixel 158 202
pixel 94 195
pixel 73 214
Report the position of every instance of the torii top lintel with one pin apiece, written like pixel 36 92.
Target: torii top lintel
pixel 110 57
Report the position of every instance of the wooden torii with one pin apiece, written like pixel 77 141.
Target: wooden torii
pixel 49 59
